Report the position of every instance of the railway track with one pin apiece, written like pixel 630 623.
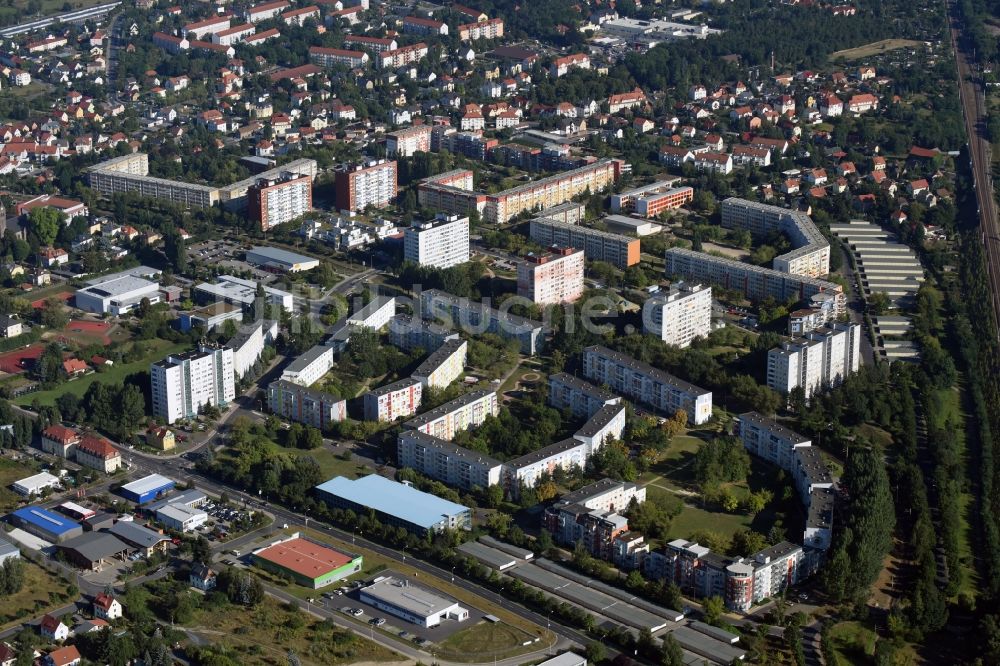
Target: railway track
pixel 973 102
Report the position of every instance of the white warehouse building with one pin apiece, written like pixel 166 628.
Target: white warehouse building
pixel 119 293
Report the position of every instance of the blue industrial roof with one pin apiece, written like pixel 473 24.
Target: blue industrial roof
pixel 52 522
pixel 393 499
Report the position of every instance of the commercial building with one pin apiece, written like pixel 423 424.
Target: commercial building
pixel 181 517
pixel 651 200
pixel 359 186
pixel 141 538
pixel 44 524
pixel 304 405
pixel 280 261
pixel 644 383
pixel 440 243
pixel 443 366
pixel 397 596
pixel 35 484
pixel 182 384
pixel 309 367
pixel 395 503
pixel 679 315
pixel 811 256
pixel 326 57
pixel 94 551
pixel 406 142
pixel 274 201
pixel 580 398
pixel 237 291
pixel 392 401
pixel 375 314
pixel 477 318
pixel 565 659
pixel 209 317
pixel 147 488
pixel 98 453
pixel 408 332
pixel 755 282
pixel 440 459
pixel 462 413
pixel 310 563
pixel 118 293
pixel 622 251
pixel 8 551
pixel 551 278
pixel 822 359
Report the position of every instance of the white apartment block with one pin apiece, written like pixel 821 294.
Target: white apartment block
pixel 644 383
pixel 209 26
pixel 310 367
pixel 443 366
pixel 326 57
pixel 184 383
pixel 770 440
pixel 811 255
pixel 579 397
pixel 371 185
pixel 375 314
pixel 248 345
pixel 393 401
pixel 551 278
pixel 402 56
pixel 266 11
pixel 233 35
pixel 822 359
pixel 440 459
pixel 408 332
pixel 447 420
pixel 680 315
pixel 440 243
pixel 406 142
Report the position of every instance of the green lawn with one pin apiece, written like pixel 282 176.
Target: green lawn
pixel 264 635
pixel 114 375
pixel 853 643
pixel 329 462
pixel 40 592
pixel 483 641
pixel 693 519
pixel 10 472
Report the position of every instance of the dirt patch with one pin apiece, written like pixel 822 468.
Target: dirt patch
pixel 64 296
pixel 874 48
pixel 86 332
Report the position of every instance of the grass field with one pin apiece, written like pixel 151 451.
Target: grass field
pixel 265 635
pixel 114 375
pixel 329 462
pixel 853 643
pixel 874 48
pixel 484 641
pixel 10 472
pixel 40 592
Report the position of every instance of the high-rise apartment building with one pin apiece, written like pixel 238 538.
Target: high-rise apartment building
pixel 811 255
pixel 680 315
pixel 274 202
pixel 551 278
pixel 374 184
pixel 184 383
pixel 822 359
pixel 406 142
pixel 441 243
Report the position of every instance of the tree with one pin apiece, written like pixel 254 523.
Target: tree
pixel 494 496
pixel 713 607
pixel 671 653
pixel 201 550
pixel 45 222
pixel 311 439
pixel 595 652
pixel 54 314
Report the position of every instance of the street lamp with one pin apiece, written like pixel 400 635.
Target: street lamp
pixel 453 574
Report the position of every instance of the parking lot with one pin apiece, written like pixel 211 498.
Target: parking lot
pixel 223 519
pixel 226 255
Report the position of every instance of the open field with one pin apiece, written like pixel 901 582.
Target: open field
pixel 40 592
pixel 874 48
pixel 18 361
pixel 82 332
pixel 113 375
pixel 42 295
pixel 10 472
pixel 484 641
pixel 853 643
pixel 266 634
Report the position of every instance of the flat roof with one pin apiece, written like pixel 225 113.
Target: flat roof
pixel 772 427
pixel 308 357
pixel 95 546
pixel 137 534
pixel 45 519
pixel 144 272
pixel 491 557
pixel 583 386
pixel 439 356
pixel 565 659
pixel 600 419
pixel 400 593
pixel 179 512
pixel 40 479
pixel 372 307
pixel 76 508
pixel 119 286
pixel 304 557
pixel 644 368
pixel 448 408
pixel 394 499
pixel 147 484
pixel 275 254
pixel 398 385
